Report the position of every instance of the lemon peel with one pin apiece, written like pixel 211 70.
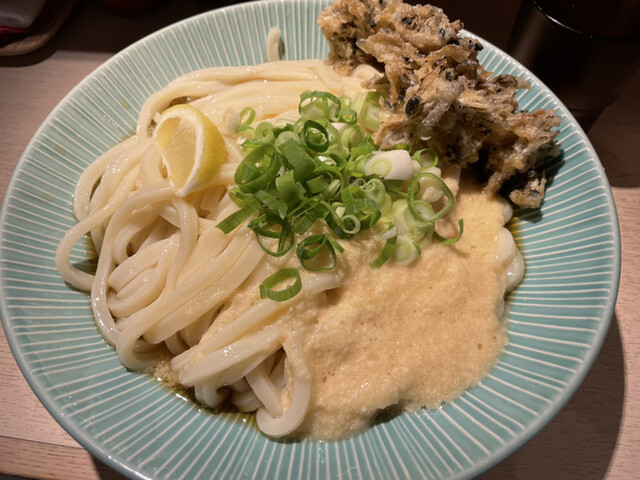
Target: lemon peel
pixel 191 146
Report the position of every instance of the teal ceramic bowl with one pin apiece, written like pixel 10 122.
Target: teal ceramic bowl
pixel 558 317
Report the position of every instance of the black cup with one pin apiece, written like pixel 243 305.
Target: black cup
pixel 586 51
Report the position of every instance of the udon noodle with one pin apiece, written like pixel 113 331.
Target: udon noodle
pixel 172 292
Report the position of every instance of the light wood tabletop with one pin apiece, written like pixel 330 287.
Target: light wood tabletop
pixel 596 435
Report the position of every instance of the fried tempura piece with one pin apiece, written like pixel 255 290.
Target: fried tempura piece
pixel 437 94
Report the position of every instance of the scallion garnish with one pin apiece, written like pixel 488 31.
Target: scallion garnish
pixel 281 276
pixel 414 187
pixel 387 251
pixel 407 250
pixel 450 241
pixel 238 217
pixel 324 167
pixel 309 248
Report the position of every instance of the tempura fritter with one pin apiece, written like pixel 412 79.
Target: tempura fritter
pixel 435 93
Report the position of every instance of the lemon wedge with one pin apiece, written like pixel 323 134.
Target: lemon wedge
pixel 191 146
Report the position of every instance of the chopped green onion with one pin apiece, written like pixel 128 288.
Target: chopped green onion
pixel 284 275
pixel 258 169
pixel 238 217
pixel 374 188
pixel 450 241
pixel 429 189
pixel 310 248
pixel 264 133
pixel 387 251
pixel 352 136
pixel 240 198
pixel 332 132
pixel 315 136
pixel 312 211
pixel 249 113
pixel 298 124
pixel 332 188
pixel 368 109
pixel 350 224
pixel 284 136
pixel 378 165
pixel 426 157
pixel 357 203
pixel 407 250
pixel 345 101
pixel 407 223
pixel 246 131
pixel 317 184
pixel 401 146
pixel 325 167
pixel 314 101
pixel 348 115
pixel 263 227
pixel 339 151
pixel 414 187
pixel 371 117
pixel 297 158
pixel 288 188
pixel 272 202
pixel 376 191
pixel 390 165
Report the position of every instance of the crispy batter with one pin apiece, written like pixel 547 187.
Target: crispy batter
pixel 437 94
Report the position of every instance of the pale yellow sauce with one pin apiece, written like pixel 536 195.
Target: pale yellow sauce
pixel 407 336
pixel 400 336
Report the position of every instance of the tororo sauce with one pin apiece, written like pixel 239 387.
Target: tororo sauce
pixel 407 336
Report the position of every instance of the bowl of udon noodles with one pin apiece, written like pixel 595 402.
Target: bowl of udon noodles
pixel 170 347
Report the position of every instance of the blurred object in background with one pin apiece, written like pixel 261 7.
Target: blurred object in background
pixel 586 51
pixel 19 14
pixel 26 25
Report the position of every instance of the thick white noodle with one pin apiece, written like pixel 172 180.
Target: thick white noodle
pixel 274 44
pixel 509 254
pixel 286 423
pixel 165 272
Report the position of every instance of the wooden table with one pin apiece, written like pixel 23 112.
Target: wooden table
pixel 596 435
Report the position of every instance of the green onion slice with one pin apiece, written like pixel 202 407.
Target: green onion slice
pixel 425 155
pixel 348 116
pixel 284 136
pixel 387 251
pixel 414 187
pixel 317 184
pixel 309 213
pixel 282 276
pixel 264 132
pixel 316 136
pixel 272 202
pixel 328 101
pixel 297 158
pixel 407 250
pixel 247 115
pixel 263 226
pixel 238 217
pixel 288 188
pixel 258 169
pixel 450 241
pixel 311 247
pixel 352 136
